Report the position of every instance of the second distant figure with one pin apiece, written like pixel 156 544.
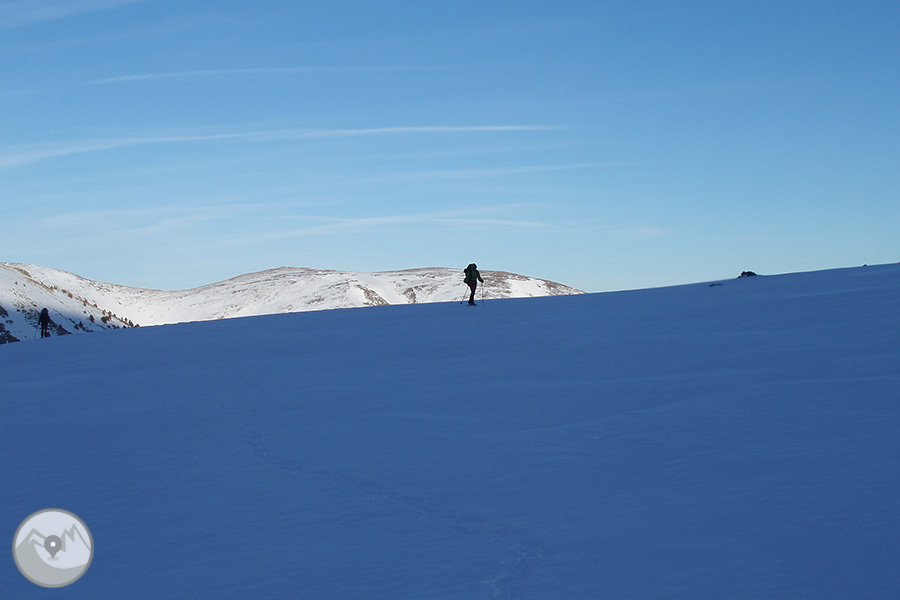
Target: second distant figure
pixel 472 279
pixel 44 322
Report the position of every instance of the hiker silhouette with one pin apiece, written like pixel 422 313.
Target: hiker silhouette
pixel 44 321
pixel 472 279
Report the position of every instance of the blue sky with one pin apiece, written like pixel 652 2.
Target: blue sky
pixel 605 145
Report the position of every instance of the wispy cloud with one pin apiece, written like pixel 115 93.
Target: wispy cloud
pixel 416 129
pixel 319 225
pixel 132 224
pixel 13 157
pixel 261 71
pixel 17 156
pixel 479 173
pixel 644 231
pixel 22 13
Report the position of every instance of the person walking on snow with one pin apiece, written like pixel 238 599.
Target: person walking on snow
pixel 44 321
pixel 472 279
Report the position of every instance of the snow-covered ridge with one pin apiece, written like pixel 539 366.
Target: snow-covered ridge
pixel 79 304
pixel 24 292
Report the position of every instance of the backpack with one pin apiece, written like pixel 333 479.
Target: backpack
pixel 470 272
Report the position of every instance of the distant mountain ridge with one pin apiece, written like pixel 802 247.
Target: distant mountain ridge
pixel 77 304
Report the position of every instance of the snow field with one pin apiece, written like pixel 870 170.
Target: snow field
pixel 734 441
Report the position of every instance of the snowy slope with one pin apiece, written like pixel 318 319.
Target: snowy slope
pixel 22 296
pixel 739 440
pixel 267 292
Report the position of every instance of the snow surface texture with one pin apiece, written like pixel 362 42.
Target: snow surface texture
pixel 740 440
pixel 25 289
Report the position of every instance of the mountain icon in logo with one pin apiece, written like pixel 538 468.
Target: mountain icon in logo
pixel 53 548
